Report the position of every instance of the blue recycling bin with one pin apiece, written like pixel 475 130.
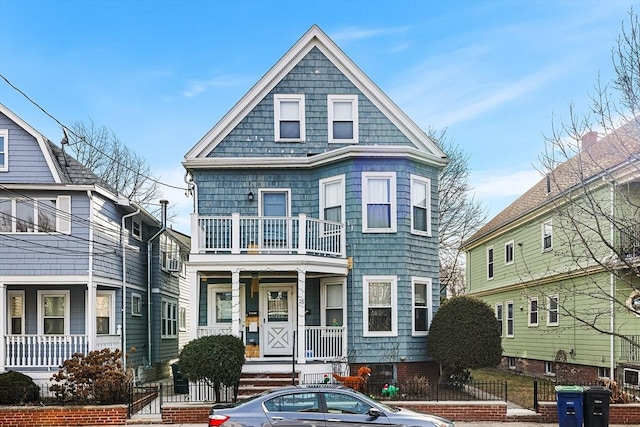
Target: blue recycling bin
pixel 569 402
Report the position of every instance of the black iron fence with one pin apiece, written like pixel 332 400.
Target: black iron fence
pixel 545 391
pixel 44 395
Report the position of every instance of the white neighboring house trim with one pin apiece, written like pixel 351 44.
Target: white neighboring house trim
pixel 4 150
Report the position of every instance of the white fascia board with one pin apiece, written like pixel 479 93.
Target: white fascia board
pixel 39 138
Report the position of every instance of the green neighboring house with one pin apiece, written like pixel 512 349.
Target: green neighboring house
pixel 560 266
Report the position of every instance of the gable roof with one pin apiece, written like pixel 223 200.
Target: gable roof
pixel 314 37
pixel 595 160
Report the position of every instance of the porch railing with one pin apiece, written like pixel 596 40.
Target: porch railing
pixel 206 331
pixel 258 235
pixel 630 349
pixel 324 342
pixel 37 351
pixel 630 241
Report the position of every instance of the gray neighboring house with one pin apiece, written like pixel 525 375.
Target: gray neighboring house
pixel 315 231
pixel 74 254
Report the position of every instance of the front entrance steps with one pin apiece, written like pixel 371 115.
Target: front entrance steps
pixel 256 382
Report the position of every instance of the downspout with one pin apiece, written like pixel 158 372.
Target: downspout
pixel 163 208
pixel 612 284
pixel 124 288
pixel 90 267
pixel 192 189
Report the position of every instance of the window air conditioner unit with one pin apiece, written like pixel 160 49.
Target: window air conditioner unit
pixel 174 265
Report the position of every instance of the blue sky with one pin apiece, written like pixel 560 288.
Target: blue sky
pixel 160 73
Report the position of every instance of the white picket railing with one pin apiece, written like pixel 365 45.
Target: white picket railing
pixel 256 235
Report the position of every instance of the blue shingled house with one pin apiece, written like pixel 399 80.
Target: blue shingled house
pixel 314 235
pixel 74 253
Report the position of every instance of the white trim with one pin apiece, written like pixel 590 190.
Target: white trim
pixel 4 167
pixel 427 182
pixel 549 368
pixel 40 310
pixel 338 179
pixel 138 235
pixel 530 312
pixel 490 263
pixel 112 311
pixel 10 294
pixel 278 99
pixel 427 282
pixel 324 283
pixel 262 191
pixel 212 289
pixel 624 377
pixel 315 37
pixel 331 100
pixel 511 320
pixel 557 310
pixel 548 223
pixel 135 295
pixel 506 252
pixel 393 202
pixel 500 317
pixel 393 283
pixel 168 317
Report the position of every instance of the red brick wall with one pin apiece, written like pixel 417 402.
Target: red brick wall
pixel 44 416
pixel 185 414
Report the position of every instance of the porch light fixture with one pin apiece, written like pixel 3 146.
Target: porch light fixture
pixel 250 196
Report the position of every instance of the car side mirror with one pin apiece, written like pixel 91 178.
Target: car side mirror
pixel 374 412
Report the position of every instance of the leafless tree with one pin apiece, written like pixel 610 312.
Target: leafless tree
pixel 460 214
pixel 100 150
pixel 592 165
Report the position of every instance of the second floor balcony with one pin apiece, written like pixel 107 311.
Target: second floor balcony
pixel 251 235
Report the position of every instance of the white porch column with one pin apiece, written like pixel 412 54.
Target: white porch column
pixel 91 316
pixel 235 303
pixel 3 325
pixel 194 299
pixel 301 316
pixel 196 234
pixel 302 235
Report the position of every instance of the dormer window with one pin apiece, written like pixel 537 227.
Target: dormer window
pixel 343 118
pixel 4 150
pixel 289 118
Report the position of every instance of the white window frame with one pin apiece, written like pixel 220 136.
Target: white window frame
pixel 415 179
pixel 169 252
pixel 509 250
pixel 511 362
pixel 624 377
pixel 550 368
pixel 182 318
pixel 393 203
pixel 556 300
pixel 134 297
pixel 531 311
pixel 393 283
pixel 500 317
pixel 10 295
pixel 40 310
pixel 331 100
pixel 603 372
pixel 491 263
pixel 212 289
pixel 278 99
pixel 427 282
pixel 511 315
pixel 168 318
pixel 62 214
pixel 324 284
pixel 112 311
pixel 4 166
pixel 323 183
pixel 136 228
pixel 547 231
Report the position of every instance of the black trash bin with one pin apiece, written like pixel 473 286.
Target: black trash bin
pixel 180 384
pixel 596 406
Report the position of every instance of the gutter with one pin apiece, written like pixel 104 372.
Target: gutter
pixel 163 204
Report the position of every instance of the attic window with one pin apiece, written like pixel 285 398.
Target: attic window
pixel 4 150
pixel 289 118
pixel 136 228
pixel 343 118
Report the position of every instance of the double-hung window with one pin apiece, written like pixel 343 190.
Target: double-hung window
pixel 508 253
pixel 136 304
pixel 169 254
pixel 105 312
pixel 420 205
pixel 422 295
pixel 533 311
pixel 289 118
pixel 35 215
pixel 136 228
pixel 379 211
pixel 499 317
pixel 510 319
pixel 332 301
pixel 4 150
pixel 343 118
pixel 16 312
pixel 332 199
pixel 169 319
pixel 552 309
pixel 380 306
pixel 489 263
pixel 53 312
pixel 547 236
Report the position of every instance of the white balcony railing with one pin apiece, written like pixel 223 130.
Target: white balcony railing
pixel 255 235
pixel 206 331
pixel 49 351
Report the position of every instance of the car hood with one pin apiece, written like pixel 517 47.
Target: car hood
pixel 408 413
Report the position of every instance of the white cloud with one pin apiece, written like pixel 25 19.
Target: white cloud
pixel 358 33
pixel 499 188
pixel 196 87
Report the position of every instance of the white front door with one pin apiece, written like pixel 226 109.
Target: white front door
pixel 277 320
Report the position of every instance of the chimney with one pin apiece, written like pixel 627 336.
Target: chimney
pixel 588 140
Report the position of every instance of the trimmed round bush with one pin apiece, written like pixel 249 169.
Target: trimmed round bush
pixel 17 388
